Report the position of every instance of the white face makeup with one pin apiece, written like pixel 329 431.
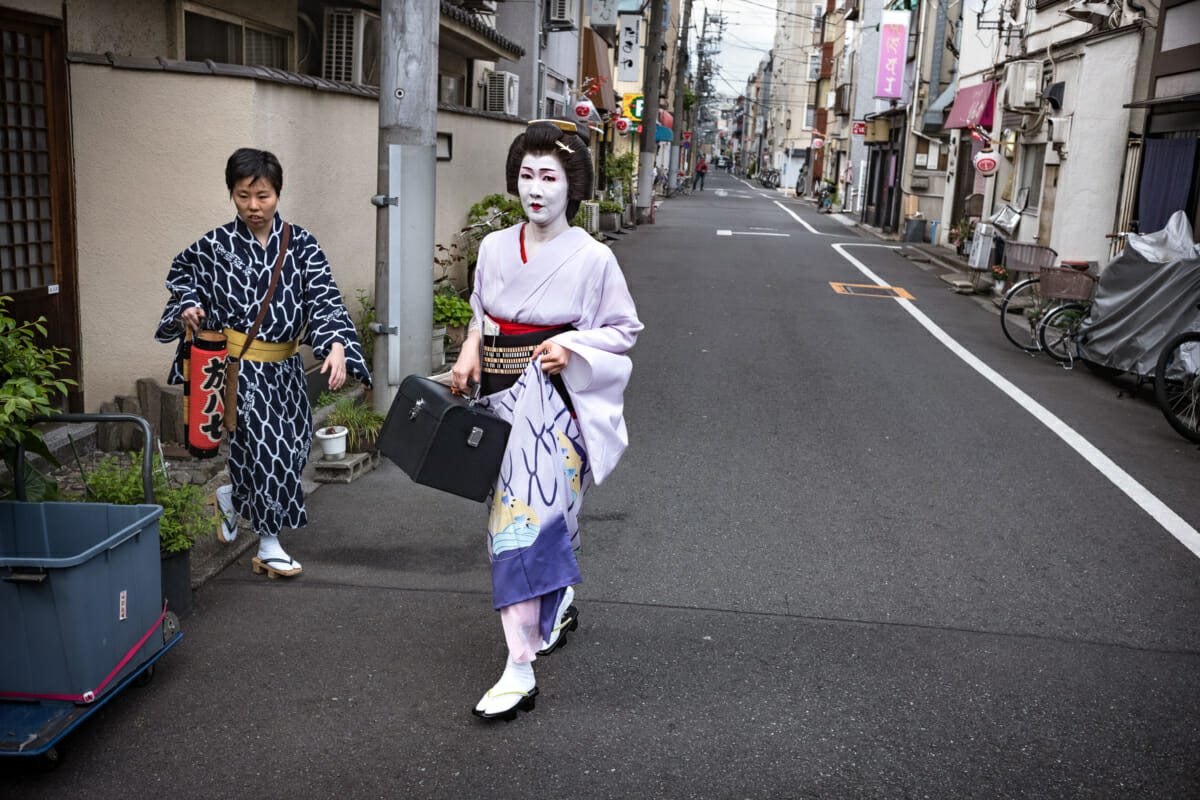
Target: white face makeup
pixel 542 186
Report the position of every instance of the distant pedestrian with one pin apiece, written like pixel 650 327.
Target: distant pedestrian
pixel 699 173
pixel 552 322
pixel 220 283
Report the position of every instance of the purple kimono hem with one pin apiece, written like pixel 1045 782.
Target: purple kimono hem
pixel 543 568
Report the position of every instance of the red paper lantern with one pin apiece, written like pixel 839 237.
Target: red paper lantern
pixel 584 110
pixel 818 143
pixel 623 124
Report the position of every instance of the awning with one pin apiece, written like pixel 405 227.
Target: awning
pixel 973 105
pixel 662 133
pixel 596 71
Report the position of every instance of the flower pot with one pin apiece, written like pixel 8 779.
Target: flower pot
pixel 438 350
pixel 999 287
pixel 177 582
pixel 333 442
pixel 610 221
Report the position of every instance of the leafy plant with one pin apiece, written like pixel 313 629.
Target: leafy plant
pixel 450 309
pixel 504 210
pixel 620 168
pixel 28 384
pixel 999 273
pixel 362 423
pixel 609 207
pixel 186 514
pixel 327 398
pixel 366 317
pixel 961 231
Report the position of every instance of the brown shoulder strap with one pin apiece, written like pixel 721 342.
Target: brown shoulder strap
pixel 262 310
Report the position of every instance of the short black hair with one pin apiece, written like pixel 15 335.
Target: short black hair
pixel 545 138
pixel 250 163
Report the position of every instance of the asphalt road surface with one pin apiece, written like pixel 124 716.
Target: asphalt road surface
pixel 859 547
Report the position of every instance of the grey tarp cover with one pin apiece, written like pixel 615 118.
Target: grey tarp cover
pixel 1145 296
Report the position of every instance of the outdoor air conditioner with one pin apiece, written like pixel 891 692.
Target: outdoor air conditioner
pixel 1023 85
pixel 561 12
pixel 591 216
pixel 500 92
pixel 352 42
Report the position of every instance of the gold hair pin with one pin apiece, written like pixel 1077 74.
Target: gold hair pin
pixel 564 147
pixel 569 127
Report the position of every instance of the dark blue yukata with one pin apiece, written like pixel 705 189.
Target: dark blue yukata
pixel 227 272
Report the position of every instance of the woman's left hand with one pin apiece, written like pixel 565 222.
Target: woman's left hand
pixel 554 357
pixel 335 365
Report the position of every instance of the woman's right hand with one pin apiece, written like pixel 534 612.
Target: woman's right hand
pixel 466 368
pixel 193 317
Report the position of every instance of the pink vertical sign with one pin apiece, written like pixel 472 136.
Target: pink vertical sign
pixel 893 47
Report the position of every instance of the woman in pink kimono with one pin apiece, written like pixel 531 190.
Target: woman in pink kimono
pixel 553 321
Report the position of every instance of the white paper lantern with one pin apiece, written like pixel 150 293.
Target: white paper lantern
pixel 986 162
pixel 584 110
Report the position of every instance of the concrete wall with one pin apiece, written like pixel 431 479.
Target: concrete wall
pixel 1097 85
pixel 150 151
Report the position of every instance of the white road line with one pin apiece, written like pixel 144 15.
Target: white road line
pixel 750 233
pixel 1174 524
pixel 792 214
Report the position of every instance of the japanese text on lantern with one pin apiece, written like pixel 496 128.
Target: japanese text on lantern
pixel 893 45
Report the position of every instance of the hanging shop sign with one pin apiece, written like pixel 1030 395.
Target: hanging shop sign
pixel 893 49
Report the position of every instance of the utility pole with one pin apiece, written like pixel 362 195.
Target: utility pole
pixel 649 145
pixel 406 187
pixel 681 62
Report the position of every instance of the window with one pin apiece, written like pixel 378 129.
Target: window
pixel 818 15
pixel 814 66
pixel 450 90
pixel 228 40
pixel 1033 157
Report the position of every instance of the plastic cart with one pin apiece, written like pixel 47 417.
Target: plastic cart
pixel 81 608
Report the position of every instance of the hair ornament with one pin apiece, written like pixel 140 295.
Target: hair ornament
pixel 559 142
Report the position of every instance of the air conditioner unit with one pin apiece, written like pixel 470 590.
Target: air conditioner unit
pixel 591 216
pixel 352 43
pixel 500 92
pixel 1023 85
pixel 561 12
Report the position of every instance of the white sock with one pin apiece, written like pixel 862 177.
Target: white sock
pixel 269 547
pixel 517 676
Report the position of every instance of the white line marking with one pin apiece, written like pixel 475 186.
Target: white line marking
pixel 1174 524
pixel 792 214
pixel 751 233
pixel 724 233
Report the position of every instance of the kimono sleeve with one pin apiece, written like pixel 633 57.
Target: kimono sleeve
pixel 328 319
pixel 608 320
pixel 183 281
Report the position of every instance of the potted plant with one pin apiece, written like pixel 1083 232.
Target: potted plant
pixel 610 215
pixel 960 234
pixel 28 386
pixel 361 423
pixel 332 439
pixel 453 312
pixel 186 516
pixel 1000 276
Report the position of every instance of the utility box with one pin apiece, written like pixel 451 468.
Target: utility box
pixel 981 246
pixel 80 587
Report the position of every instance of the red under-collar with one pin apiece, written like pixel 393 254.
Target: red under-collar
pixel 524 260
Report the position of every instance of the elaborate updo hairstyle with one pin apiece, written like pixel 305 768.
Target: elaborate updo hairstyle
pixel 556 138
pixel 250 163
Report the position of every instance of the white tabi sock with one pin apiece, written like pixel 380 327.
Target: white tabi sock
pixel 269 547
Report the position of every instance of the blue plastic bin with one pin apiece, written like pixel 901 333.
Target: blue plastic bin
pixel 80 585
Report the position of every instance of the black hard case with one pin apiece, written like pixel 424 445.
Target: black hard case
pixel 441 439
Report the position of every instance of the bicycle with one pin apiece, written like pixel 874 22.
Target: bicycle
pixel 1058 330
pixel 1177 384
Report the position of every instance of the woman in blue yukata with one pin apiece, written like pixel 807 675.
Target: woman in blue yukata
pixel 553 320
pixel 219 283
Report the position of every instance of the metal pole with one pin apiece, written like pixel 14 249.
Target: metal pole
pixel 407 158
pixel 649 145
pixel 681 62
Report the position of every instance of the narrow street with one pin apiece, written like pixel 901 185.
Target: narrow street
pixel 858 547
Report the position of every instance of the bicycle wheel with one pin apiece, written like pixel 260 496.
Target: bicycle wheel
pixel 1058 329
pixel 1021 312
pixel 1177 384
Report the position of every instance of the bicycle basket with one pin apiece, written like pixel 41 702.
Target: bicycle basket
pixel 1064 283
pixel 1028 257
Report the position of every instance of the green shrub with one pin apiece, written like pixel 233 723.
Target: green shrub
pixel 186 514
pixel 27 387
pixel 362 423
pixel 610 207
pixel 450 309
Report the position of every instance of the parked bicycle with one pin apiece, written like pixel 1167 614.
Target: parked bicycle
pixel 825 197
pixel 1177 384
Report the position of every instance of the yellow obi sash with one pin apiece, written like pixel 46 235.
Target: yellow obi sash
pixel 260 351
